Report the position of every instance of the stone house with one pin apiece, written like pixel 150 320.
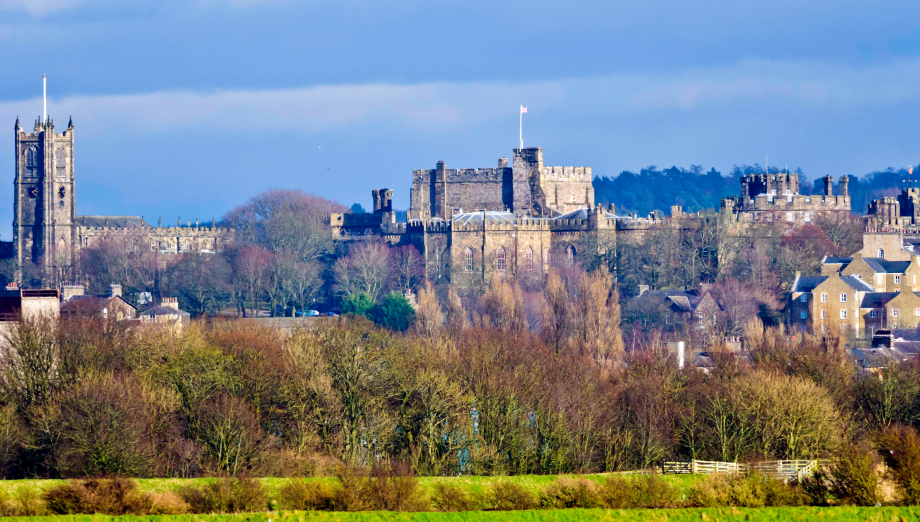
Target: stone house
pixel 166 313
pixel 108 307
pixel 828 303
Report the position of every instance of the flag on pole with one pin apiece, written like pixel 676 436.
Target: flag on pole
pixel 523 109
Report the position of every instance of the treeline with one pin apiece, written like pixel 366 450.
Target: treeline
pixel 477 393
pixel 696 189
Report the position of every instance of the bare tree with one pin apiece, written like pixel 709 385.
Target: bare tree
pixel 557 312
pixel 429 317
pixel 409 267
pixel 367 268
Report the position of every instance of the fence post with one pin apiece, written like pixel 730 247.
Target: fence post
pixel 693 466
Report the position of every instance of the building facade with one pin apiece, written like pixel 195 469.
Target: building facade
pixel 48 234
pixel 775 198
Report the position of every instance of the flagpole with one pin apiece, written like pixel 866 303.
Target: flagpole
pixel 521 127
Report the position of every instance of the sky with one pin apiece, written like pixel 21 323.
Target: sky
pixel 185 109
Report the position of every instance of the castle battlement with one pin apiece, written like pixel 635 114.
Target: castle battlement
pixel 567 173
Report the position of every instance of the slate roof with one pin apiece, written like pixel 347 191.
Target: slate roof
pixel 111 221
pixel 808 283
pixel 837 260
pixel 884 266
pixel 877 299
pixel 493 217
pixel 582 213
pixel 684 300
pixel 164 310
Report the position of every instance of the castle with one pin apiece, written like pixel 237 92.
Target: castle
pixel 470 224
pixel 775 198
pixel 47 233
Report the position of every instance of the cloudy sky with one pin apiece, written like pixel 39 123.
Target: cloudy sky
pixel 186 108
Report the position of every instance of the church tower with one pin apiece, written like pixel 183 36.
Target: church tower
pixel 43 219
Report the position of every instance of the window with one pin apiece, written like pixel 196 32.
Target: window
pixel 790 216
pixel 843 314
pixel 807 217
pixel 500 258
pixel 916 312
pixel 105 313
pixel 528 259
pixel 824 297
pixel 804 314
pixel 823 314
pixel 894 312
pixel 843 297
pixel 469 259
pixel 897 279
pixel 804 298
pixel 570 255
pixel 881 253
pixel 873 314
pixel 188 246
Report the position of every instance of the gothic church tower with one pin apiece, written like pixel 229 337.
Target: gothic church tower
pixel 43 219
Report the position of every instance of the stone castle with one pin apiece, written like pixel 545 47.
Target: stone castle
pixel 775 198
pixel 48 234
pixel 469 224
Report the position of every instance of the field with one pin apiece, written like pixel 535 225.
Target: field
pixel 882 514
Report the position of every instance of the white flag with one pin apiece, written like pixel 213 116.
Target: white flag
pixel 523 109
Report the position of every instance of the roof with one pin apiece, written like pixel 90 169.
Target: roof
pixel 111 221
pixel 89 304
pixel 492 217
pixel 164 310
pixel 837 260
pixel 884 266
pixel 582 213
pixel 877 299
pixel 684 300
pixel 808 283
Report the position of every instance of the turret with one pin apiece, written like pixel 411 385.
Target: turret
pixel 845 186
pixel 828 185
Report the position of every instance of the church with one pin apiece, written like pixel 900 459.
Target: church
pixel 48 234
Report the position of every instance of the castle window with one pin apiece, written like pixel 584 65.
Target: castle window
pixel 468 255
pixel 570 255
pixel 500 258
pixel 528 258
pixel 188 246
pixel 881 253
pixel 790 216
pixel 807 216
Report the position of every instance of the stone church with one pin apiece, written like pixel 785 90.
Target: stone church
pixel 48 234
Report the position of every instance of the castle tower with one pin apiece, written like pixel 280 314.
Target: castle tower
pixel 43 197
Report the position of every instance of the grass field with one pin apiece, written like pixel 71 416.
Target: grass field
pixel 881 514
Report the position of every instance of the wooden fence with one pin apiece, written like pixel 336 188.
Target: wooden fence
pixel 779 469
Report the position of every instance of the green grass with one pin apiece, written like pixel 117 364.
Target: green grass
pixel 882 514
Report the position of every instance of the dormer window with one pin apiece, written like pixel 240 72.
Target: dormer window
pixel 881 253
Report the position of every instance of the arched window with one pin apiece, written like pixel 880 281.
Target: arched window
pixel 500 258
pixel 528 259
pixel 31 157
pixel 881 253
pixel 468 255
pixel 570 255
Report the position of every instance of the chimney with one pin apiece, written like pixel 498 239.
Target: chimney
pixel 611 208
pixel 845 186
pixel 68 291
pixel 503 163
pixel 171 302
pixel 13 285
pixel 116 290
pixel 828 185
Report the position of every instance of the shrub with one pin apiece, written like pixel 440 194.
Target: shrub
pixel 900 448
pixel 390 487
pixel 357 304
pixel 167 503
pixel 511 496
pixel 307 496
pixel 111 497
pixel 28 503
pixel 226 495
pixel 851 476
pixel 394 312
pixel 745 491
pixel 568 492
pixel 448 497
pixel 649 491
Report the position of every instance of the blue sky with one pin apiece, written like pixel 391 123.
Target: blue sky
pixel 188 108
